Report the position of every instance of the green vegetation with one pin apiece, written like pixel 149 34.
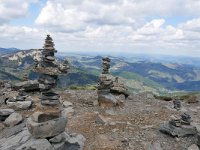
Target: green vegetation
pixel 164 98
pixel 189 97
pixel 137 77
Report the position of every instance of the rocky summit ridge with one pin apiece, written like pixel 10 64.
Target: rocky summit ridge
pixel 36 115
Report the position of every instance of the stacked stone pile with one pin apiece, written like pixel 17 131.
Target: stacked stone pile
pixel 47 121
pixel 21 101
pixel 177 104
pixel 110 91
pixel 179 126
pixel 18 100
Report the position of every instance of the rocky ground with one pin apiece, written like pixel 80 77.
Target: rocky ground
pixel 134 126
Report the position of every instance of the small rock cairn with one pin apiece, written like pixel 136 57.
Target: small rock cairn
pixel 177 104
pixel 47 120
pixel 179 126
pixel 110 91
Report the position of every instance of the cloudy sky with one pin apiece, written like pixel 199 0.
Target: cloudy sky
pixel 115 26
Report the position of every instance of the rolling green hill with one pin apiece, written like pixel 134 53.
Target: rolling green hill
pixel 138 75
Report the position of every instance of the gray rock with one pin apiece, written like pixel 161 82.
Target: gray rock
pixel 59 138
pixel 153 146
pixel 183 130
pixel 68 112
pixel 101 119
pixel 4 113
pixel 20 105
pixel 193 147
pixel 48 128
pixel 31 85
pixel 11 131
pixel 50 102
pixel 36 144
pixel 14 141
pixel 43 116
pixel 20 98
pixel 24 141
pixel 74 142
pixel 13 119
pixel 2 126
pixel 67 104
pixel 198 139
pixel 77 138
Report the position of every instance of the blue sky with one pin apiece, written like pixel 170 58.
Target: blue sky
pixel 103 26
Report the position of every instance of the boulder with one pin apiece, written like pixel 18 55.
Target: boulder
pixel 4 113
pixel 20 105
pixel 181 131
pixel 13 119
pixel 193 147
pixel 31 85
pixel 24 141
pixel 44 116
pixel 48 128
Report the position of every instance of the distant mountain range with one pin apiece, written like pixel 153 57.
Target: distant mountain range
pixel 7 50
pixel 139 74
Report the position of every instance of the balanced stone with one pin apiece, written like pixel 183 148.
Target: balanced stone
pixel 48 128
pixel 179 126
pixel 20 105
pixel 31 85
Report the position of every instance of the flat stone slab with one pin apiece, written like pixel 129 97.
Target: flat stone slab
pixel 48 128
pixel 183 130
pixel 50 102
pixel 27 85
pixel 20 105
pixel 4 113
pixel 24 141
pixel 13 119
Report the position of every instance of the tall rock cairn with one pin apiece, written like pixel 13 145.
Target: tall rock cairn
pixel 110 91
pixel 47 121
pixel 106 65
pixel 105 83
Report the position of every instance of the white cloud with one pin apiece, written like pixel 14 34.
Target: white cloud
pixel 103 25
pixel 12 9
